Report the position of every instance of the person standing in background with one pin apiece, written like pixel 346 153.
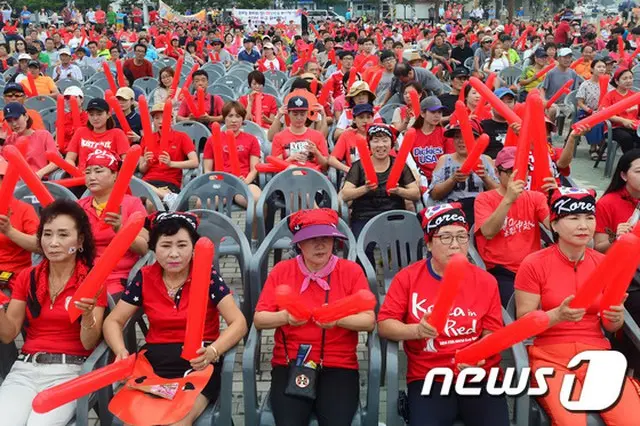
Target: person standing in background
pixel 25 19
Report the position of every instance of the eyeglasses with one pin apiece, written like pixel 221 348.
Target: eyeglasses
pixel 447 239
pixel 14 95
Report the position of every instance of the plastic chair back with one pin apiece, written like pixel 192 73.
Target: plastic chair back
pixel 93 92
pixel 197 132
pixel 146 84
pixel 278 78
pixel 231 81
pixel 221 90
pixel 40 103
pixel 218 66
pixel 239 72
pixel 510 75
pixel 87 72
pixel 49 117
pixel 386 112
pixel 68 82
pixel 23 193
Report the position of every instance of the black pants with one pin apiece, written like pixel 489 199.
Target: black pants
pixel 336 400
pixel 437 410
pixel 626 138
pixel 505 280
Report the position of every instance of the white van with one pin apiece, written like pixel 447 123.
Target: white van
pixel 324 14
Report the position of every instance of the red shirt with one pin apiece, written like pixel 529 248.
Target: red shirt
pixel 335 82
pixel 70 129
pixel 613 209
pixel 427 149
pixel 562 33
pixel 52 331
pixel 168 317
pixel 613 97
pixel 345 149
pixel 520 233
pixel 138 71
pixel 100 16
pixel 269 107
pixel 247 146
pixel 23 218
pixel 549 274
pixel 102 238
pixel 40 142
pixel 340 344
pixel 217 103
pixel 286 143
pixel 476 308
pixel 180 147
pixel 85 141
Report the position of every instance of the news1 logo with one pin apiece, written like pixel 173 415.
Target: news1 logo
pixel 601 388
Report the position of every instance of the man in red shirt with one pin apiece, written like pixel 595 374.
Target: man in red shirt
pixel 563 30
pixel 213 103
pixel 507 223
pixel 335 81
pixel 138 65
pixel 299 145
pixel 101 18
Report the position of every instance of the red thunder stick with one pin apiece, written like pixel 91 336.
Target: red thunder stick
pixel 461 94
pixel 60 115
pixel 275 161
pixel 54 157
pixel 75 112
pixel 314 87
pixel 190 103
pixel 375 81
pixel 258 115
pixel 268 168
pixel 165 131
pixel 33 182
pixel 522 151
pixel 541 166
pixel 233 152
pixel 483 100
pixel 453 275
pixel 603 84
pixel 608 112
pixel 218 151
pixel 121 184
pixel 465 126
pixel 147 131
pixel 289 301
pixel 365 159
pixel 59 395
pixel 109 76
pixel 475 154
pixel 94 282
pixel 122 119
pixel 526 327
pixel 401 159
pixel 360 301
pixel 32 84
pixel 176 77
pixel 352 78
pixel 565 89
pixel 202 109
pixel 120 74
pixel 577 62
pixel 618 281
pixel 415 102
pixel 189 79
pixel 502 108
pixel 544 71
pixel 70 182
pixel 7 187
pixel 198 297
pixel 324 94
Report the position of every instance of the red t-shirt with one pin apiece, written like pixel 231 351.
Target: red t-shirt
pixel 340 344
pixel 345 149
pixel 613 209
pixel 614 97
pixel 85 141
pixel 247 146
pixel 476 308
pixel 179 148
pixel 100 16
pixel 217 104
pixel 335 82
pixel 427 149
pixel 23 218
pixel 168 317
pixel 269 107
pixel 286 143
pixel 549 274
pixel 52 331
pixel 70 129
pixel 40 142
pixel 138 71
pixel 520 233
pixel 102 238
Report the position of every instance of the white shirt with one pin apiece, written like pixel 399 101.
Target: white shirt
pixel 95 63
pixel 74 42
pixel 71 71
pixel 272 63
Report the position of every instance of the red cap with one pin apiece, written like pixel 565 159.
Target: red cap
pixel 307 224
pixel 104 159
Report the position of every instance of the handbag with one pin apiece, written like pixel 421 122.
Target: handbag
pixel 302 380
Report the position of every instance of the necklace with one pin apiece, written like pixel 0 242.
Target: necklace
pixel 172 290
pixel 54 295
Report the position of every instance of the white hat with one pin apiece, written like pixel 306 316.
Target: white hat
pixel 565 51
pixel 73 91
pixel 24 56
pixel 64 51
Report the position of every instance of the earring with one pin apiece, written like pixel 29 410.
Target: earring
pixel 80 249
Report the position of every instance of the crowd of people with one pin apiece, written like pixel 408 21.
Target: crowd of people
pixel 314 94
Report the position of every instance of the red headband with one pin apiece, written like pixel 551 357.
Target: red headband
pixel 104 159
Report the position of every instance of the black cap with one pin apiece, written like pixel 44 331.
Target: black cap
pixel 13 87
pixel 297 103
pixel 362 108
pixel 460 72
pixel 13 110
pixel 34 63
pixel 98 104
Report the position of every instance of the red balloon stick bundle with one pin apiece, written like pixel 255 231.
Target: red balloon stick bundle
pixel 59 395
pixel 474 156
pixel 280 164
pixel 292 303
pixel 360 301
pixel 147 131
pixel 54 157
pixel 233 152
pixel 526 327
pixel 415 103
pixel 165 131
pixel 93 283
pixel 401 159
pixel 257 99
pixel 502 108
pixel 122 119
pixel 109 76
pixel 195 110
pixel 365 158
pixel 198 297
pixel 75 112
pixel 608 112
pixel 603 84
pixel 121 185
pixel 541 166
pixel 453 275
pixel 122 82
pixel 218 152
pixel 13 155
pixel 202 109
pixel 176 77
pixel 565 89
pixel 618 281
pixel 60 116
pixel 465 125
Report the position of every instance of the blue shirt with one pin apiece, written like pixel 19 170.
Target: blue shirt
pixel 26 17
pixel 134 122
pixel 152 54
pixel 252 57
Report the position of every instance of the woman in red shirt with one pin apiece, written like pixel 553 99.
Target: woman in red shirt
pixel 625 123
pixel 100 176
pixel 403 117
pixel 256 82
pixel 248 150
pixel 548 280
pixel 471 101
pixel 70 125
pixel 344 153
pixel 319 277
pixel 54 349
pixel 162 290
pixel 476 313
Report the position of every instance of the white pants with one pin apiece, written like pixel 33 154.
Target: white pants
pixel 21 386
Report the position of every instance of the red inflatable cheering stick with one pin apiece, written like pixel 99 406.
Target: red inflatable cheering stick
pixel 415 103
pixel 165 130
pixel 59 395
pixel 603 84
pixel 526 327
pixel 176 77
pixel 54 157
pixel 286 299
pixel 120 74
pixel 33 182
pixel 608 112
pixel 544 71
pixel 147 131
pixel 118 246
pixel 502 108
pixel 475 154
pixel 565 89
pixel 216 143
pixel 619 280
pixel 233 152
pixel 109 76
pixel 122 119
pixel 275 161
pixel 465 125
pixel 453 275
pixel 541 166
pixel 522 151
pixel 401 159
pixel 198 297
pixel 195 110
pixel 360 301
pixel 60 118
pixel 365 158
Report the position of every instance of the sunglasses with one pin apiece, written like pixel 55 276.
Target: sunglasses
pixel 14 95
pixel 68 97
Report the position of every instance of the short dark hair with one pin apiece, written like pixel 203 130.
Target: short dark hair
pixel 402 70
pixel 200 72
pixel 170 227
pixel 233 106
pixel 460 36
pixel 72 209
pixel 256 76
pixel 140 45
pixel 92 42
